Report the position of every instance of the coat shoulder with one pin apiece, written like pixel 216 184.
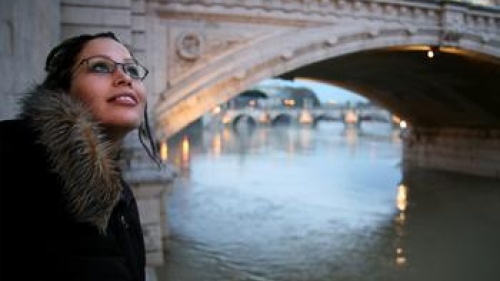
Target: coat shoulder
pixel 15 139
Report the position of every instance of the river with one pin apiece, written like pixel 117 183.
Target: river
pixel 324 203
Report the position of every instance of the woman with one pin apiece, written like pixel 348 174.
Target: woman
pixel 66 213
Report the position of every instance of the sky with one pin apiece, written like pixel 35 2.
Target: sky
pixel 325 92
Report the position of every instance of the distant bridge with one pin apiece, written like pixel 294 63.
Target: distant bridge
pixel 303 116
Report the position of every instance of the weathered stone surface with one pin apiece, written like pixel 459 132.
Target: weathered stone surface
pixel 28 30
pixel 469 151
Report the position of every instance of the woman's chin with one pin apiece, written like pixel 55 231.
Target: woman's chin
pixel 120 129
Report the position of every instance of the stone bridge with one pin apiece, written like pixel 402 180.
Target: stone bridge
pixel 376 48
pixel 302 116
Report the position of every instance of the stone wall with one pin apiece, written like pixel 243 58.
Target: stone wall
pixel 28 30
pixel 80 16
pixel 469 151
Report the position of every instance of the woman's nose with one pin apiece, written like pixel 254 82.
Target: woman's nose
pixel 121 77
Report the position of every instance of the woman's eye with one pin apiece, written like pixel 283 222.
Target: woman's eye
pixel 132 70
pixel 101 67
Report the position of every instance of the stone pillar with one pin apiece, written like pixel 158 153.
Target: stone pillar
pixel 464 150
pixel 151 185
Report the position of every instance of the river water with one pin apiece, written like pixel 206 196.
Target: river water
pixel 324 203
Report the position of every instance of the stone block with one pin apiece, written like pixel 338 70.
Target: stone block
pixel 99 3
pixel 123 33
pixel 92 16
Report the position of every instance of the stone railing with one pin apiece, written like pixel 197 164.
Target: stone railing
pixel 455 17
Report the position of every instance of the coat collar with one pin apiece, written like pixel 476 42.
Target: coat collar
pixel 78 152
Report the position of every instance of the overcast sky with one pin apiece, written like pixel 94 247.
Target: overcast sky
pixel 324 92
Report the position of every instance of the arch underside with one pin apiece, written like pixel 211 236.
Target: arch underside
pixel 450 90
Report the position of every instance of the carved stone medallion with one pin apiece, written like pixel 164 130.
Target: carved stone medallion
pixel 190 45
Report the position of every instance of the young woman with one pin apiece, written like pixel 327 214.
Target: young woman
pixel 66 213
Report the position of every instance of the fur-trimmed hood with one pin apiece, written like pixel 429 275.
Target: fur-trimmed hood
pixel 78 153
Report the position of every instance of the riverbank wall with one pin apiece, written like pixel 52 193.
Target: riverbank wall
pixel 463 150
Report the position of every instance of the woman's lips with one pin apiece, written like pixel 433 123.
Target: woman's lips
pixel 125 99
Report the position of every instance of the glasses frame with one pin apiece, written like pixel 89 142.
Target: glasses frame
pixel 116 64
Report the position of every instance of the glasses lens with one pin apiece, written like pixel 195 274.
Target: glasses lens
pixel 100 65
pixel 134 70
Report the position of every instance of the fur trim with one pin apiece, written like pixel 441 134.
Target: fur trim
pixel 78 153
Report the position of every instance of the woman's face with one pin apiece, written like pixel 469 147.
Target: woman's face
pixel 115 99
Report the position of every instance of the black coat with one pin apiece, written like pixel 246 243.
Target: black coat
pixel 65 211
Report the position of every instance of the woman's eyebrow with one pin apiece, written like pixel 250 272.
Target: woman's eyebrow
pixel 128 59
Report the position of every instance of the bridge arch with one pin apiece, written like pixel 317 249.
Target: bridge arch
pixel 328 117
pixel 288 50
pixel 282 119
pixel 243 118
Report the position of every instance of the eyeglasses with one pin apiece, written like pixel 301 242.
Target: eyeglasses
pixel 101 64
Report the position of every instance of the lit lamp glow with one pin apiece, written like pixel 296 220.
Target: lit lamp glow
pixel 402 197
pixel 430 53
pixel 163 151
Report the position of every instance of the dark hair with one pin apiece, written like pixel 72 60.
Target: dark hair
pixel 59 67
pixel 62 58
